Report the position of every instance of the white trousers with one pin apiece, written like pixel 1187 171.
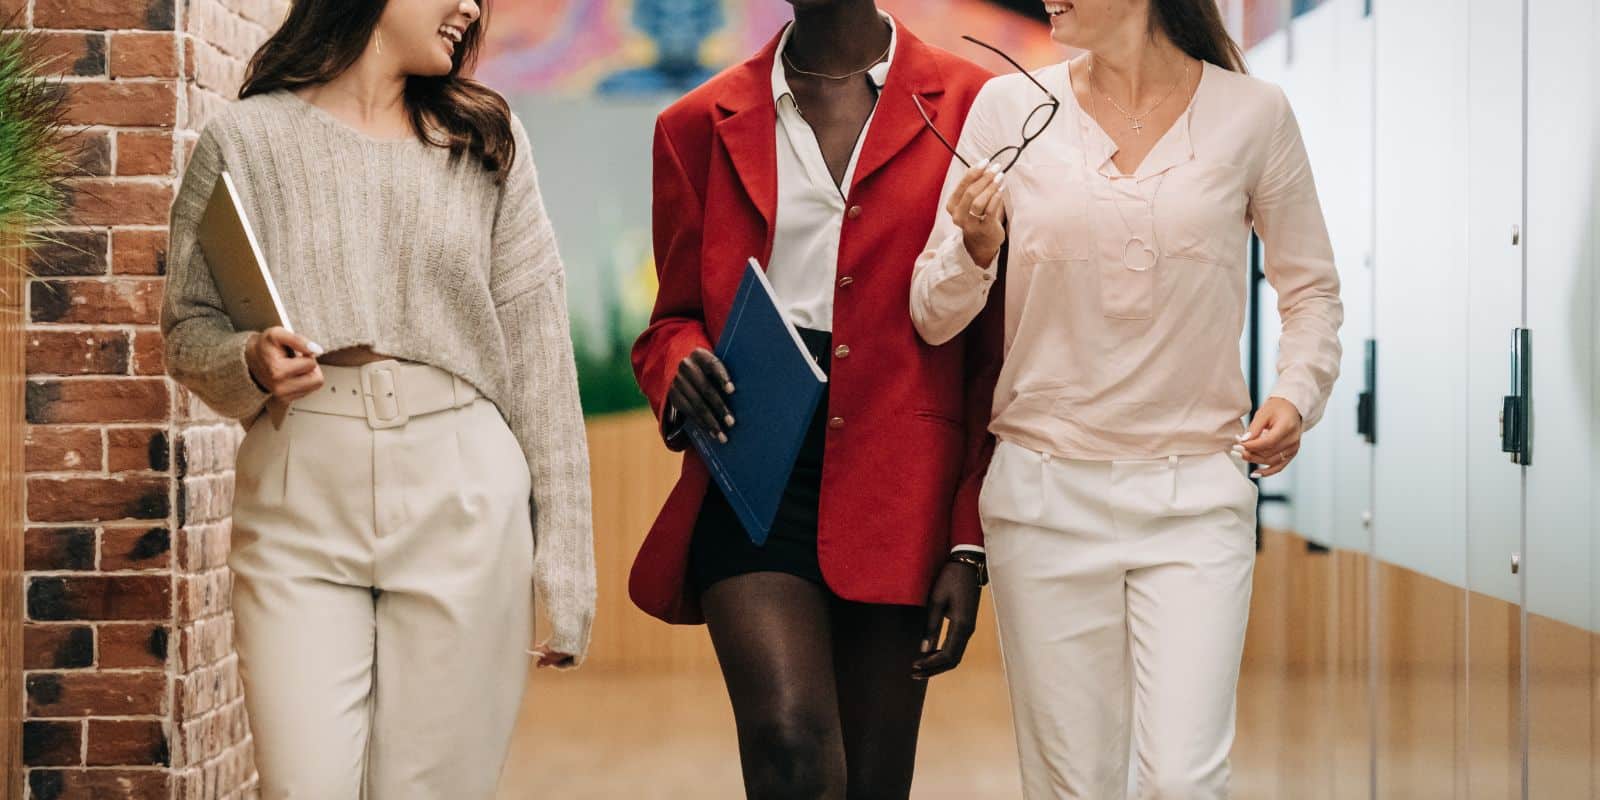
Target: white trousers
pixel 1122 589
pixel 382 601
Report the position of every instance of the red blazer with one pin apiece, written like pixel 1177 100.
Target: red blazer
pixel 902 470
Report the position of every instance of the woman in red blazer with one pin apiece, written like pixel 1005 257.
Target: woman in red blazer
pixel 813 158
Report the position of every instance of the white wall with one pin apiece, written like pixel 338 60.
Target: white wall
pixel 1445 284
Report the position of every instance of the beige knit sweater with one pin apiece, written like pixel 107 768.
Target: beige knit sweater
pixel 392 245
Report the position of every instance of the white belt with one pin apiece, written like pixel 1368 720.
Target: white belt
pixel 387 393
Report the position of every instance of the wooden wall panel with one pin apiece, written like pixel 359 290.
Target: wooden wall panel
pixel 1421 686
pixel 1494 675
pixel 11 467
pixel 1561 689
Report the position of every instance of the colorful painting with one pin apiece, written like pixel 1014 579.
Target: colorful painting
pixel 588 77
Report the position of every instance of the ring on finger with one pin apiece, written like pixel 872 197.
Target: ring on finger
pixel 977 216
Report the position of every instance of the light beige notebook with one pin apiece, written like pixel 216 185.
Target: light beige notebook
pixel 237 265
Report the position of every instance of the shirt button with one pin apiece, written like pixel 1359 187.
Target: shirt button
pixel 846 281
pixel 842 351
pixel 836 423
pixel 855 211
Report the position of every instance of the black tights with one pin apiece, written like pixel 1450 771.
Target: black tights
pixel 821 688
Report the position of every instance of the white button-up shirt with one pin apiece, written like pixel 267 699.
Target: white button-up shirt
pixel 811 208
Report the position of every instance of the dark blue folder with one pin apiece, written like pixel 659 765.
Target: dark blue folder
pixel 776 388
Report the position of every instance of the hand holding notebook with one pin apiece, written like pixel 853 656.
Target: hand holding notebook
pixel 779 385
pixel 248 292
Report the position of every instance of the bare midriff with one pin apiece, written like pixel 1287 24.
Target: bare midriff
pixel 351 357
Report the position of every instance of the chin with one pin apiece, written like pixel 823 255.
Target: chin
pixel 435 68
pixel 1066 32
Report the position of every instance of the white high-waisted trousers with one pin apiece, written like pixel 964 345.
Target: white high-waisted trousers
pixel 382 598
pixel 1122 590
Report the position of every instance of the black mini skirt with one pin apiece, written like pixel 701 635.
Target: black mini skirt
pixel 720 548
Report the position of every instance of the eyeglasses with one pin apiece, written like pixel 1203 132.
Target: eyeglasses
pixel 1038 119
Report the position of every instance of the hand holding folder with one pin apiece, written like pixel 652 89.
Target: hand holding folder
pixel 779 385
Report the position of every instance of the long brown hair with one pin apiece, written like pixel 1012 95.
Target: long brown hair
pixel 1195 26
pixel 321 39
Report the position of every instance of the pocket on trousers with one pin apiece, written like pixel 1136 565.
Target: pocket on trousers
pixel 262 462
pixel 1012 488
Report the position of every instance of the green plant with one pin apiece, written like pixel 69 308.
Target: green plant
pixel 34 157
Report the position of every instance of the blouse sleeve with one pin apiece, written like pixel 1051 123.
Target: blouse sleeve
pixel 949 289
pixel 529 287
pixel 1299 265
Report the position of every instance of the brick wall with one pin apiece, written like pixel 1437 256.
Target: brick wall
pixel 132 686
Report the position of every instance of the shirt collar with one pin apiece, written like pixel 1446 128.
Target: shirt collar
pixel 879 74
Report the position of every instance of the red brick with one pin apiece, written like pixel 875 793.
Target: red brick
pixel 59 550
pixel 206 642
pixel 99 784
pixel 141 548
pixel 203 547
pixel 149 353
pixel 13 9
pixel 89 152
pixel 76 54
pixel 52 744
pixel 53 449
pixel 100 201
pixel 144 55
pixel 152 104
pixel 188 57
pixel 133 646
pixel 204 595
pixel 69 253
pixel 57 646
pixel 118 301
pixel 137 450
pixel 97 499
pixel 96 694
pixel 104 14
pixel 97 400
pixel 139 252
pixel 118 743
pixel 78 352
pixel 144 153
pixel 99 597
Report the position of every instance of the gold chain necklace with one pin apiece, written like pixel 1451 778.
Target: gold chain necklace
pixel 881 56
pixel 1134 120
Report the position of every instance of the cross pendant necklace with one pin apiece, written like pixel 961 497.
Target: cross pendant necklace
pixel 1134 119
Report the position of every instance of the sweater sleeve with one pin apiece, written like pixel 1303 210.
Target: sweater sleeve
pixel 529 288
pixel 1299 265
pixel 203 350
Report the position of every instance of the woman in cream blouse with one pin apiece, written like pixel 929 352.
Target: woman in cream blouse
pixel 1118 513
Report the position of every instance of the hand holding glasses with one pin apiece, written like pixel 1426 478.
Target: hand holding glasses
pixel 977 204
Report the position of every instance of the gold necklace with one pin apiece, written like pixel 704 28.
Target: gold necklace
pixel 881 56
pixel 1134 120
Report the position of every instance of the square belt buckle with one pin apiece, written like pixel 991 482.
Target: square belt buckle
pixel 381 395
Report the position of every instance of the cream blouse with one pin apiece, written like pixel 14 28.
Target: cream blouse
pixel 1125 294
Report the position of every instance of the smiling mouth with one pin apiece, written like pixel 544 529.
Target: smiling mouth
pixel 1057 9
pixel 451 35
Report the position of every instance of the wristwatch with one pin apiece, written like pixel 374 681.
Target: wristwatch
pixel 976 560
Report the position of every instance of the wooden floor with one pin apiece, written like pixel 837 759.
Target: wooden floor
pixel 613 735
pixel 670 737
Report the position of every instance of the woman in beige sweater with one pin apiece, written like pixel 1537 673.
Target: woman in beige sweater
pixel 385 550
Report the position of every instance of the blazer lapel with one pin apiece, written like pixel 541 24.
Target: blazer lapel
pixel 896 123
pixel 748 131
